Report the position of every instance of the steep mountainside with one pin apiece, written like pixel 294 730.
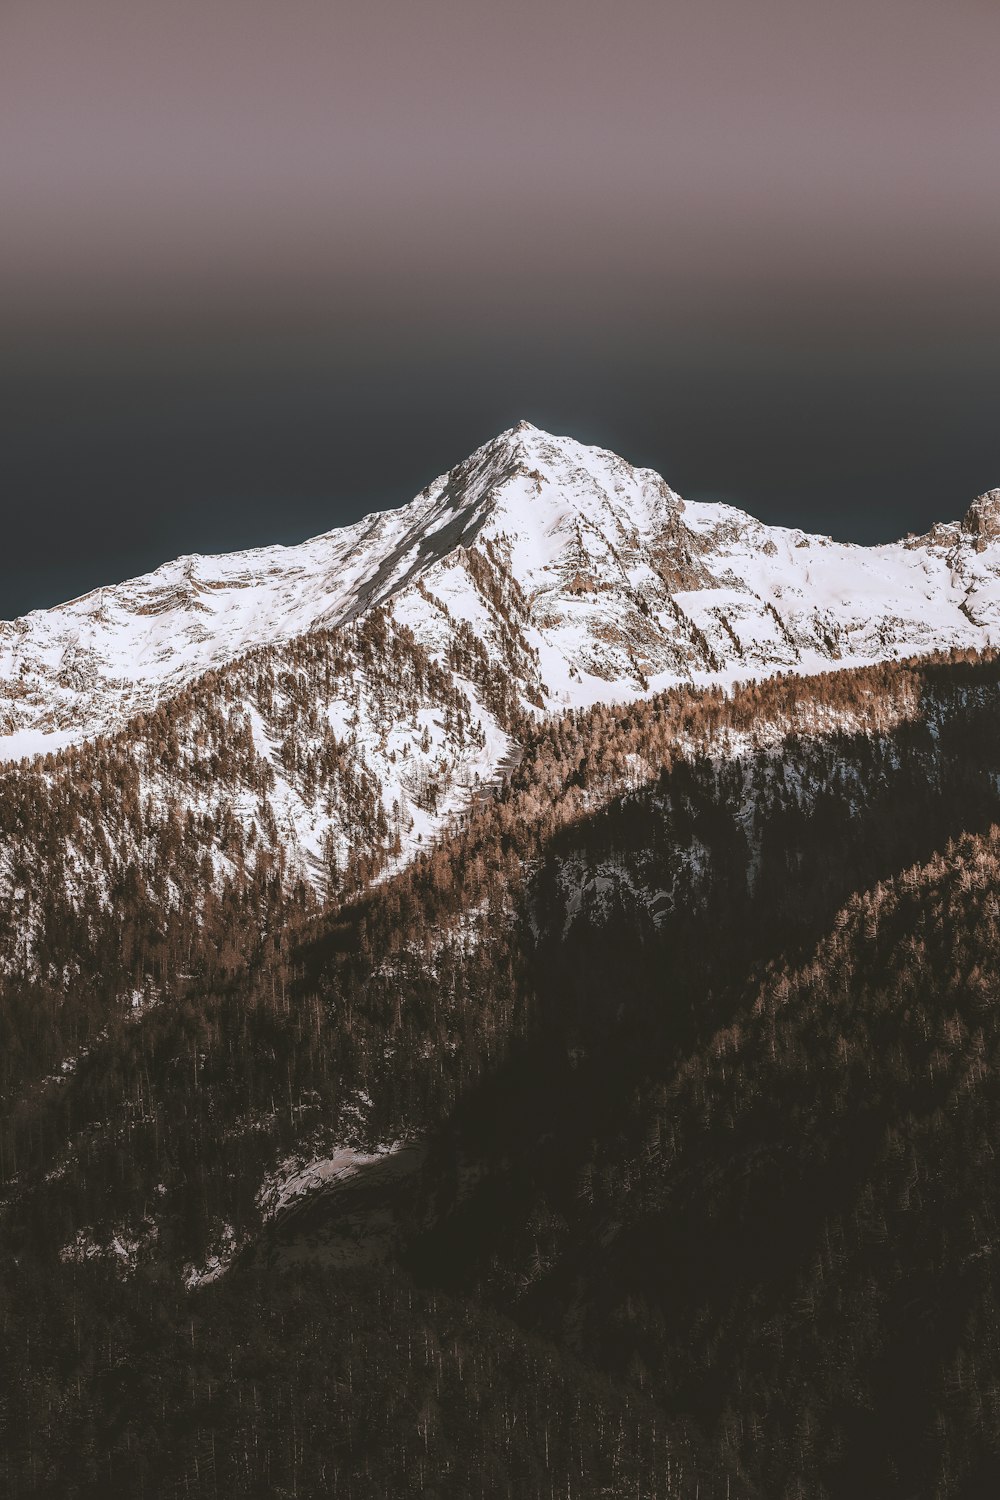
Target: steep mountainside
pixel 315 713
pixel 408 994
pixel 787 1225
pixel 457 1038
pixel 312 766
pixel 688 1107
pixel 585 578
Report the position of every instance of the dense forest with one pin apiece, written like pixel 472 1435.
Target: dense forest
pixel 692 1016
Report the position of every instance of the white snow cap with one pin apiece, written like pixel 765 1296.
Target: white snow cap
pixel 587 577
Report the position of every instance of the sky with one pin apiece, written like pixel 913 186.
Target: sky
pixel 266 267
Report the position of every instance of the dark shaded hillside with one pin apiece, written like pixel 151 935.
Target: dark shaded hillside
pixel 373 1024
pixel 555 997
pixel 356 1385
pixel 821 1182
pixel 789 1231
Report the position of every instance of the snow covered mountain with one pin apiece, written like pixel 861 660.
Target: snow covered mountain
pixel 586 578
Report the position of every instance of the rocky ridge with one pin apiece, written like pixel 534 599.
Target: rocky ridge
pixel 587 578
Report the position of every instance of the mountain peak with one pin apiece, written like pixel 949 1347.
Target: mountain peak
pixel 585 577
pixel 527 436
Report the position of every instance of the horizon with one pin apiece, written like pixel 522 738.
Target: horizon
pixel 264 546
pixel 262 269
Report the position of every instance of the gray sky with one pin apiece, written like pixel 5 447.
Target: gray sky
pixel 266 266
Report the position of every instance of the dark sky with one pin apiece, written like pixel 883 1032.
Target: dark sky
pixel 265 267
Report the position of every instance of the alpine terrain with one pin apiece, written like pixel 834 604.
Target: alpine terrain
pixel 586 579
pixel 501 999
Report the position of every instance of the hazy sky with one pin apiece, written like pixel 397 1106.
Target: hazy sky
pixel 264 267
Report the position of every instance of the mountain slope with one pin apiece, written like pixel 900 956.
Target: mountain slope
pixel 797 1242
pixel 368 1027
pixel 308 766
pixel 587 579
pixel 562 997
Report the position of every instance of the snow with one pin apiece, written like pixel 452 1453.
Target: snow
pixel 23 744
pixel 582 579
pixel 297 1177
pixel 216 1264
pixel 573 576
pixel 123 1247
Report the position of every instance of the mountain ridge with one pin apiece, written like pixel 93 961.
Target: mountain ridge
pixel 589 579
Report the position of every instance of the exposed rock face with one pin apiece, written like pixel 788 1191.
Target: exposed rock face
pixel 982 520
pixel 582 577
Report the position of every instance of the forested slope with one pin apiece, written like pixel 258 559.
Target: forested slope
pixel 608 1003
pixel 789 1233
